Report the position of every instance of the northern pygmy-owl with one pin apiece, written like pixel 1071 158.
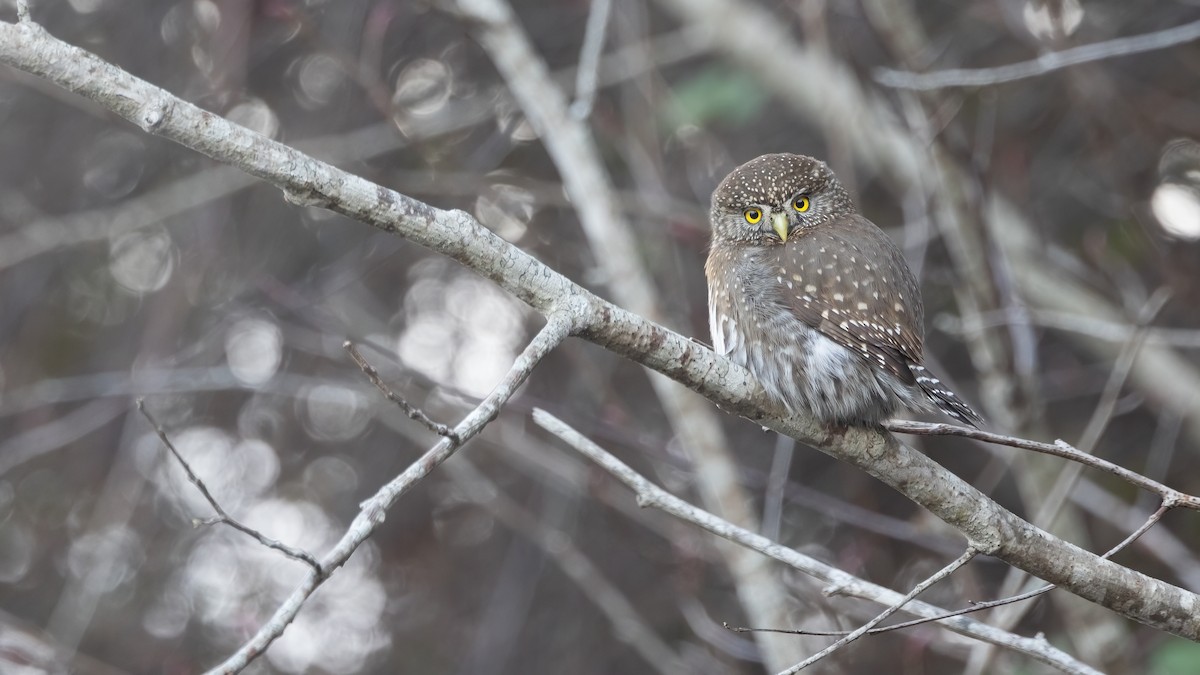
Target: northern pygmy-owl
pixel 814 299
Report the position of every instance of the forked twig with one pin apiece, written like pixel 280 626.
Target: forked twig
pixel 222 517
pixel 413 412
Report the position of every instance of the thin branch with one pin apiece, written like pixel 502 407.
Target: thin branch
pixel 1058 488
pixel 649 494
pixel 1161 544
pixel 1068 476
pixel 414 413
pixel 975 606
pixel 978 606
pixel 589 59
pixel 373 510
pixel 1059 448
pixel 1133 536
pixel 222 517
pixel 946 571
pixel 1046 63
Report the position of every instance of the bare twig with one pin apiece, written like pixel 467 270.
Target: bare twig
pixel 975 606
pixel 1160 543
pixel 1059 490
pixel 1046 63
pixel 1058 449
pixel 372 511
pixel 651 495
pixel 222 517
pixel 946 571
pixel 1103 412
pixel 1133 536
pixel 413 413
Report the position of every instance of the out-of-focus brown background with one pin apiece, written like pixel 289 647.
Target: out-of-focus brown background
pixel 132 267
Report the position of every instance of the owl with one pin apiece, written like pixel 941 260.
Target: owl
pixel 815 300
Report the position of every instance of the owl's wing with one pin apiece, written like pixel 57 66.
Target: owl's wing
pixel 850 282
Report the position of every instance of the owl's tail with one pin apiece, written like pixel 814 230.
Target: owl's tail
pixel 946 400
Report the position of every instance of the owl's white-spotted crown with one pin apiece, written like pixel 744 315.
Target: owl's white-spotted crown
pixel 773 181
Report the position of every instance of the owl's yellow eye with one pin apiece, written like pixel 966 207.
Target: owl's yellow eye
pixel 752 216
pixel 800 204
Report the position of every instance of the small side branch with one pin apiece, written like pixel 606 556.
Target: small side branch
pixel 1046 63
pixel 1145 527
pixel 1059 448
pixel 649 494
pixel 371 512
pixel 946 571
pixel 413 412
pixel 975 606
pixel 222 517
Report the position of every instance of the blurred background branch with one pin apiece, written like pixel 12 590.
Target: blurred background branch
pixel 1045 63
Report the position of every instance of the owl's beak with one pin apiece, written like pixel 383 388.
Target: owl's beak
pixel 779 223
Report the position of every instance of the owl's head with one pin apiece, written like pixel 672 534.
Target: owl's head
pixel 772 197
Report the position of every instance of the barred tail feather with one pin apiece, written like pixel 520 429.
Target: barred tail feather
pixel 946 400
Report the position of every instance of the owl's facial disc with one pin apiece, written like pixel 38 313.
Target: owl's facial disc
pixel 781 224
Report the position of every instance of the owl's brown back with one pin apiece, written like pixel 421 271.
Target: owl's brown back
pixel 850 282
